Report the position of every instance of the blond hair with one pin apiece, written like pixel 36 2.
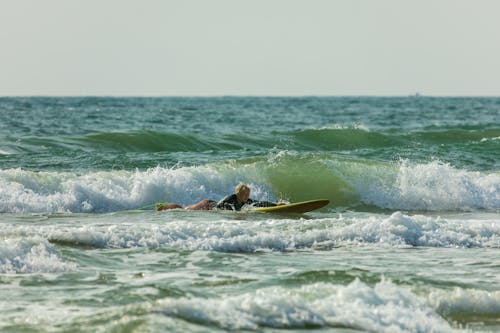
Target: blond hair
pixel 241 188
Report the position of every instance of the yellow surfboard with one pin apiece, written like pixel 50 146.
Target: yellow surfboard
pixel 296 207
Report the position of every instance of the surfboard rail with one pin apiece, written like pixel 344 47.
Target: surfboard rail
pixel 296 207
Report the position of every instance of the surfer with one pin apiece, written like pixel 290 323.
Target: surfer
pixel 240 198
pixel 235 201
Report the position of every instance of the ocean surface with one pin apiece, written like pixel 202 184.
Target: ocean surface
pixel 409 243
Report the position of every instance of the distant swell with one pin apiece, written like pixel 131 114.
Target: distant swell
pixel 330 139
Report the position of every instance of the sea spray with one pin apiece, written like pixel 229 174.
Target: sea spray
pixel 437 186
pixel 409 242
pixel 347 183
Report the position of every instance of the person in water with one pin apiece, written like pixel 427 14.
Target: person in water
pixel 240 198
pixel 235 201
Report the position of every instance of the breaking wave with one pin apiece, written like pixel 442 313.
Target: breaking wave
pixel 348 183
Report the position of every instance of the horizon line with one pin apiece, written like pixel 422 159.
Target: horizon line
pixel 414 95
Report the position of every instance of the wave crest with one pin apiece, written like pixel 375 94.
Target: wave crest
pixel 348 183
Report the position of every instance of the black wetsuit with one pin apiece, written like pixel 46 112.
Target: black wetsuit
pixel 231 203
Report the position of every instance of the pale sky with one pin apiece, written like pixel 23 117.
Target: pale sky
pixel 257 47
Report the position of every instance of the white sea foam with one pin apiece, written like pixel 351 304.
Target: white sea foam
pixel 385 307
pixel 429 187
pixel 34 255
pixel 361 127
pixel 460 300
pixel 55 192
pixel 490 139
pixel 397 230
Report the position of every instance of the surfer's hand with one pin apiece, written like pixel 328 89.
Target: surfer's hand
pixel 160 206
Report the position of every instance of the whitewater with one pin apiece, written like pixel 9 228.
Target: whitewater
pixel 409 242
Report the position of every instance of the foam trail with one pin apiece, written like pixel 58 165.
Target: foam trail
pixel 33 255
pixel 383 308
pixel 283 235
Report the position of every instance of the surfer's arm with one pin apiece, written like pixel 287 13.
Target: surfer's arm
pixel 228 203
pixel 255 203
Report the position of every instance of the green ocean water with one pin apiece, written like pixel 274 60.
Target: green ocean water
pixel 409 243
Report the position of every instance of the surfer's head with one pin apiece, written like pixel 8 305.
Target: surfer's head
pixel 242 192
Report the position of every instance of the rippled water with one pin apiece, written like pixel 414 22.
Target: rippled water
pixel 409 243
